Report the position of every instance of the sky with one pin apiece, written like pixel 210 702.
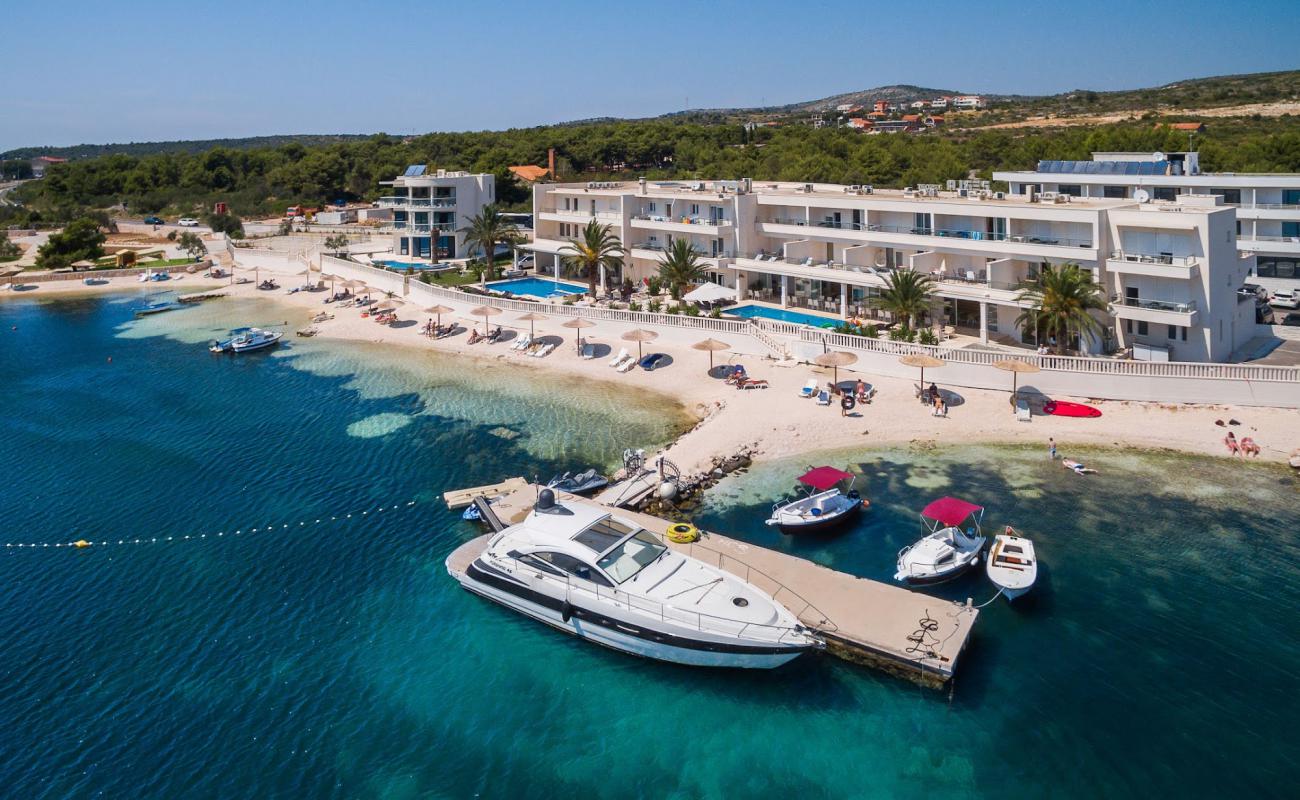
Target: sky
pixel 76 72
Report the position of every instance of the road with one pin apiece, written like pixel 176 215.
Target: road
pixel 5 189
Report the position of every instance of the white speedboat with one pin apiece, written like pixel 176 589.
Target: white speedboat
pixel 1011 564
pixel 586 572
pixel 246 340
pixel 948 550
pixel 829 500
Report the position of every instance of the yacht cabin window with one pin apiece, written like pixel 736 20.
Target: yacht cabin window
pixel 634 554
pixel 573 566
pixel 603 535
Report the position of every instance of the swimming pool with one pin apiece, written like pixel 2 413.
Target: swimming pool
pixel 413 265
pixel 537 287
pixel 782 315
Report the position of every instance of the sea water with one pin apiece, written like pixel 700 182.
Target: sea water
pixel 1158 655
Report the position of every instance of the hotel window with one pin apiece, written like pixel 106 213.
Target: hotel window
pixel 1142 327
pixel 1229 195
pixel 1128 327
pixel 1163 193
pixel 1072 189
pixel 1291 197
pixel 1172 333
pixel 653 208
pixel 921 223
pixel 1114 192
pixel 1290 229
pixel 997 228
pixel 695 209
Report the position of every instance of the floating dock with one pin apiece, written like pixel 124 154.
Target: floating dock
pixel 904 633
pixel 199 297
pixel 459 498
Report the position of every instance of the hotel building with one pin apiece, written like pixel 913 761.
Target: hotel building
pixel 1169 270
pixel 1268 205
pixel 430 209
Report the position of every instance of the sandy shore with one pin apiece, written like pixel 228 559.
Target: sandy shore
pixel 777 421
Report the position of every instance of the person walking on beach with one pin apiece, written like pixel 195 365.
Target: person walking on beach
pixel 1051 448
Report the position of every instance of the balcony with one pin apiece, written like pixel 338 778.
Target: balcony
pixel 1154 265
pixel 1158 311
pixel 581 217
pixel 684 224
pixel 903 234
pixel 1269 244
pixel 416 202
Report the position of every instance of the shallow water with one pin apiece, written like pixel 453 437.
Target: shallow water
pixel 1158 655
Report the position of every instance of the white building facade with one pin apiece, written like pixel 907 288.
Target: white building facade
pixel 1268 205
pixel 1170 270
pixel 430 209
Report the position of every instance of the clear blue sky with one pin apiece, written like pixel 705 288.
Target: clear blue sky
pixel 75 72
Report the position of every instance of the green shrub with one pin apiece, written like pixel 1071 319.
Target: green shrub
pixel 654 306
pixel 655 285
pixel 715 313
pixel 926 336
pixel 634 306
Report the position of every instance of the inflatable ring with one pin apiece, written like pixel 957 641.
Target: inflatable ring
pixel 683 533
pixel 847 402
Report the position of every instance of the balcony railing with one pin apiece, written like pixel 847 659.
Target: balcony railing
pixel 1272 206
pixel 1249 238
pixel 1185 307
pixel 416 202
pixel 1153 258
pixel 683 220
pixel 950 233
pixel 573 212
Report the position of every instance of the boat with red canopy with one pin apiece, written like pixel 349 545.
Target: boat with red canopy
pixel 947 550
pixel 829 500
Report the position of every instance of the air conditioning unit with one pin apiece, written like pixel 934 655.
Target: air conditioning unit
pixel 909 192
pixel 852 189
pixel 808 187
pixel 866 189
pixel 960 192
pixel 1063 198
pixel 999 195
pixel 1048 196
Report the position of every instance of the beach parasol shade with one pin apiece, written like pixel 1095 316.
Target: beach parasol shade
pixel 10 271
pixel 438 311
pixel 485 312
pixel 391 304
pixel 835 359
pixel 712 346
pixel 83 264
pixel 640 336
pixel 922 360
pixel 532 317
pixel 578 323
pixel 1015 367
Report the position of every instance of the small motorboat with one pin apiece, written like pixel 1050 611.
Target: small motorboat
pixel 246 340
pixel 1011 564
pixel 581 483
pixel 947 550
pixel 652 361
pixel 155 307
pixel 829 500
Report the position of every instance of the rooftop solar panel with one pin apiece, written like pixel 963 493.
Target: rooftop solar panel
pixel 415 170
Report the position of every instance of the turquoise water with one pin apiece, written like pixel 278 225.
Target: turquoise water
pixel 782 315
pixel 537 287
pixel 412 265
pixel 1157 658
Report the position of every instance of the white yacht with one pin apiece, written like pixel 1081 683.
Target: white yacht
pixel 829 501
pixel 582 570
pixel 1011 564
pixel 947 550
pixel 246 340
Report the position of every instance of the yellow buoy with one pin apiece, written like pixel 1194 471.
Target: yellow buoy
pixel 81 543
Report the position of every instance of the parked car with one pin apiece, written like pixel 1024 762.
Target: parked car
pixel 527 262
pixel 1292 319
pixel 155 221
pixel 188 222
pixel 1285 298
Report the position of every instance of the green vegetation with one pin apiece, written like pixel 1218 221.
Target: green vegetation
pixel 192 244
pixel 906 295
pixel 485 231
pixel 1059 305
pixel 596 247
pixel 226 223
pixel 81 151
pixel 81 240
pixel 8 250
pixel 680 266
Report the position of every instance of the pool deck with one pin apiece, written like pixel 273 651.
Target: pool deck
pixel 904 633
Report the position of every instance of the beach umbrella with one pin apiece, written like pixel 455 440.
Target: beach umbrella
pixel 712 346
pixel 325 276
pixel 439 311
pixel 578 323
pixel 1015 367
pixel 390 305
pixel 485 312
pixel 640 335
pixel 10 271
pixel 922 360
pixel 532 317
pixel 835 359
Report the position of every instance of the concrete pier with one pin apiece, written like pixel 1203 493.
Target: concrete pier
pixel 908 634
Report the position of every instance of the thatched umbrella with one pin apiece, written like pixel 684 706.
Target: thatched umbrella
pixel 1015 366
pixel 712 346
pixel 922 360
pixel 485 312
pixel 532 317
pixel 390 304
pixel 640 335
pixel 835 359
pixel 439 311
pixel 325 276
pixel 578 323
pixel 10 271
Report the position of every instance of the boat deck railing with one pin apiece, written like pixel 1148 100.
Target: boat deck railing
pixel 707 623
pixel 797 605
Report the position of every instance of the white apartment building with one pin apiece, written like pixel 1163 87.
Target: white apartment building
pixel 430 209
pixel 969 101
pixel 1170 269
pixel 1268 205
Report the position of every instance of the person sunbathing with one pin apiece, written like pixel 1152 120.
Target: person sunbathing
pixel 1230 441
pixel 475 336
pixel 1077 467
pixel 1248 447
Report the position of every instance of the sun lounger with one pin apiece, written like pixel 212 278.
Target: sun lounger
pixel 521 343
pixel 1022 411
pixel 544 351
pixel 620 358
pixel 749 383
pixel 588 351
pixel 809 389
pixel 823 398
pixel 627 364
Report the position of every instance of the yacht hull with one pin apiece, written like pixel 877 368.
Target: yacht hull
pixel 625 635
pixel 823 523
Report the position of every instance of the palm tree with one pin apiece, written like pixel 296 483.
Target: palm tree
pixel 596 248
pixel 484 232
pixel 1059 304
pixel 906 294
pixel 680 266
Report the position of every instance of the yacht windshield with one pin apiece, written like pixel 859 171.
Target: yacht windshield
pixel 603 535
pixel 632 556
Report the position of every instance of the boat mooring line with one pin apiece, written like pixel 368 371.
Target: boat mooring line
pixel 81 544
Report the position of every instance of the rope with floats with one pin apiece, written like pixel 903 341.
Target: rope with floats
pixel 81 544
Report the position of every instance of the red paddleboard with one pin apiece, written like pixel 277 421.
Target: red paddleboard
pixel 1062 408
